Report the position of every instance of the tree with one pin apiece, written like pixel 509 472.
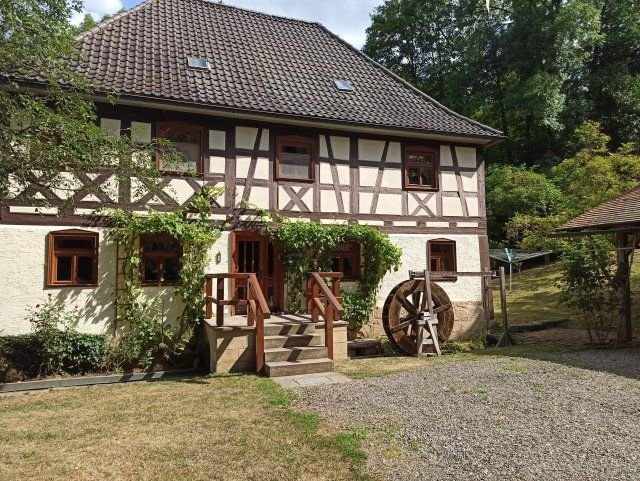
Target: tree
pixel 587 285
pixel 613 72
pixel 519 67
pixel 595 174
pixel 49 135
pixel 517 190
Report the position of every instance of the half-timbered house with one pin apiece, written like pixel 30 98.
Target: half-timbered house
pixel 286 117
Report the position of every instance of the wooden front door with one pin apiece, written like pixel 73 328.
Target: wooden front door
pixel 256 253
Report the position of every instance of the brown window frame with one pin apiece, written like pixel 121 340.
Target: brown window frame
pixel 298 141
pixel 406 165
pixel 55 252
pixel 165 126
pixel 162 255
pixel 453 258
pixel 352 251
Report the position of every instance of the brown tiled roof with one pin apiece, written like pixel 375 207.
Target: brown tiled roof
pixel 621 212
pixel 259 63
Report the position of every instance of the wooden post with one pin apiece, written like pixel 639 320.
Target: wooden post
pixel 505 340
pixel 328 330
pixel 315 294
pixel 259 340
pixel 623 288
pixel 208 292
pixel 220 307
pixel 309 295
pixel 251 305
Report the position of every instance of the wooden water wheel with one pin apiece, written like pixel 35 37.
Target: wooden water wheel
pixel 408 321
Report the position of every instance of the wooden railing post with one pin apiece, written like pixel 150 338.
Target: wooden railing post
pixel 250 305
pixel 259 340
pixel 328 331
pixel 220 307
pixel 208 292
pixel 315 292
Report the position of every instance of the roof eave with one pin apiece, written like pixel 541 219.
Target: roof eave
pixel 484 140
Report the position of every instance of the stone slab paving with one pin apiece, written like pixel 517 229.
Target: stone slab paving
pixel 311 380
pixel 572 416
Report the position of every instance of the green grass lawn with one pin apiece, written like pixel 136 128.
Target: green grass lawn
pixel 535 295
pixel 215 428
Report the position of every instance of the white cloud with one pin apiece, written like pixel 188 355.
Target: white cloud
pixel 97 9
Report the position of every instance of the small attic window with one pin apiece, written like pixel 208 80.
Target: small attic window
pixel 198 62
pixel 343 85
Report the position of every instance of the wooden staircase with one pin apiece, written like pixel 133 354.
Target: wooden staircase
pixel 284 348
pixel 293 348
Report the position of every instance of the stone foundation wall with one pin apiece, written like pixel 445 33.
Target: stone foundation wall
pixel 339 339
pixel 231 348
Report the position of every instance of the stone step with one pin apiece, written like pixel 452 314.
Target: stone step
pixel 286 328
pixel 294 368
pixel 294 353
pixel 292 340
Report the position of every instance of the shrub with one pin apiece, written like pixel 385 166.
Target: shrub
pixel 25 356
pixel 587 287
pixel 54 347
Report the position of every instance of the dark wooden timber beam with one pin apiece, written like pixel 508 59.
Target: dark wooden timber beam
pixel 624 248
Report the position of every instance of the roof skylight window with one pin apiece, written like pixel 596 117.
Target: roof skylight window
pixel 343 85
pixel 198 62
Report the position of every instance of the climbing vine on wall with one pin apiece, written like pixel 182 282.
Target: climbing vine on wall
pixel 146 336
pixel 308 246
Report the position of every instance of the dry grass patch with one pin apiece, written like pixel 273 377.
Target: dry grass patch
pixel 218 428
pixel 382 366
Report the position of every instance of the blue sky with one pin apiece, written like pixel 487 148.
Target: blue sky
pixel 347 18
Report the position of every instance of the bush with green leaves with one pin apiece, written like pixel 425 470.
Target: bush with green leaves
pixel 146 337
pixel 54 347
pixel 587 285
pixel 309 246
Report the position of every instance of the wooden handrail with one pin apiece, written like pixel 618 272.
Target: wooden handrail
pixel 257 306
pixel 318 277
pixel 322 301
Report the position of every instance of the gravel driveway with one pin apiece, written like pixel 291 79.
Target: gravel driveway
pixel 497 418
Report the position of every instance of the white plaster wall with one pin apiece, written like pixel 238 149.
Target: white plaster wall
pixel 327 178
pixel 339 147
pixel 217 139
pixel 329 203
pixel 414 258
pixel 244 163
pixel 23 277
pixel 217 164
pixel 111 127
pixel 258 196
pixel 23 252
pixel 246 138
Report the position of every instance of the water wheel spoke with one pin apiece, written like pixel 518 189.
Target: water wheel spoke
pixel 404 323
pixel 415 298
pixel 410 308
pixel 442 308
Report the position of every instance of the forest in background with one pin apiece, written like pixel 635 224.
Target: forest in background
pixel 560 78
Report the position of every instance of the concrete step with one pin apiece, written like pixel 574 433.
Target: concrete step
pixel 292 340
pixel 294 353
pixel 286 328
pixel 294 368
